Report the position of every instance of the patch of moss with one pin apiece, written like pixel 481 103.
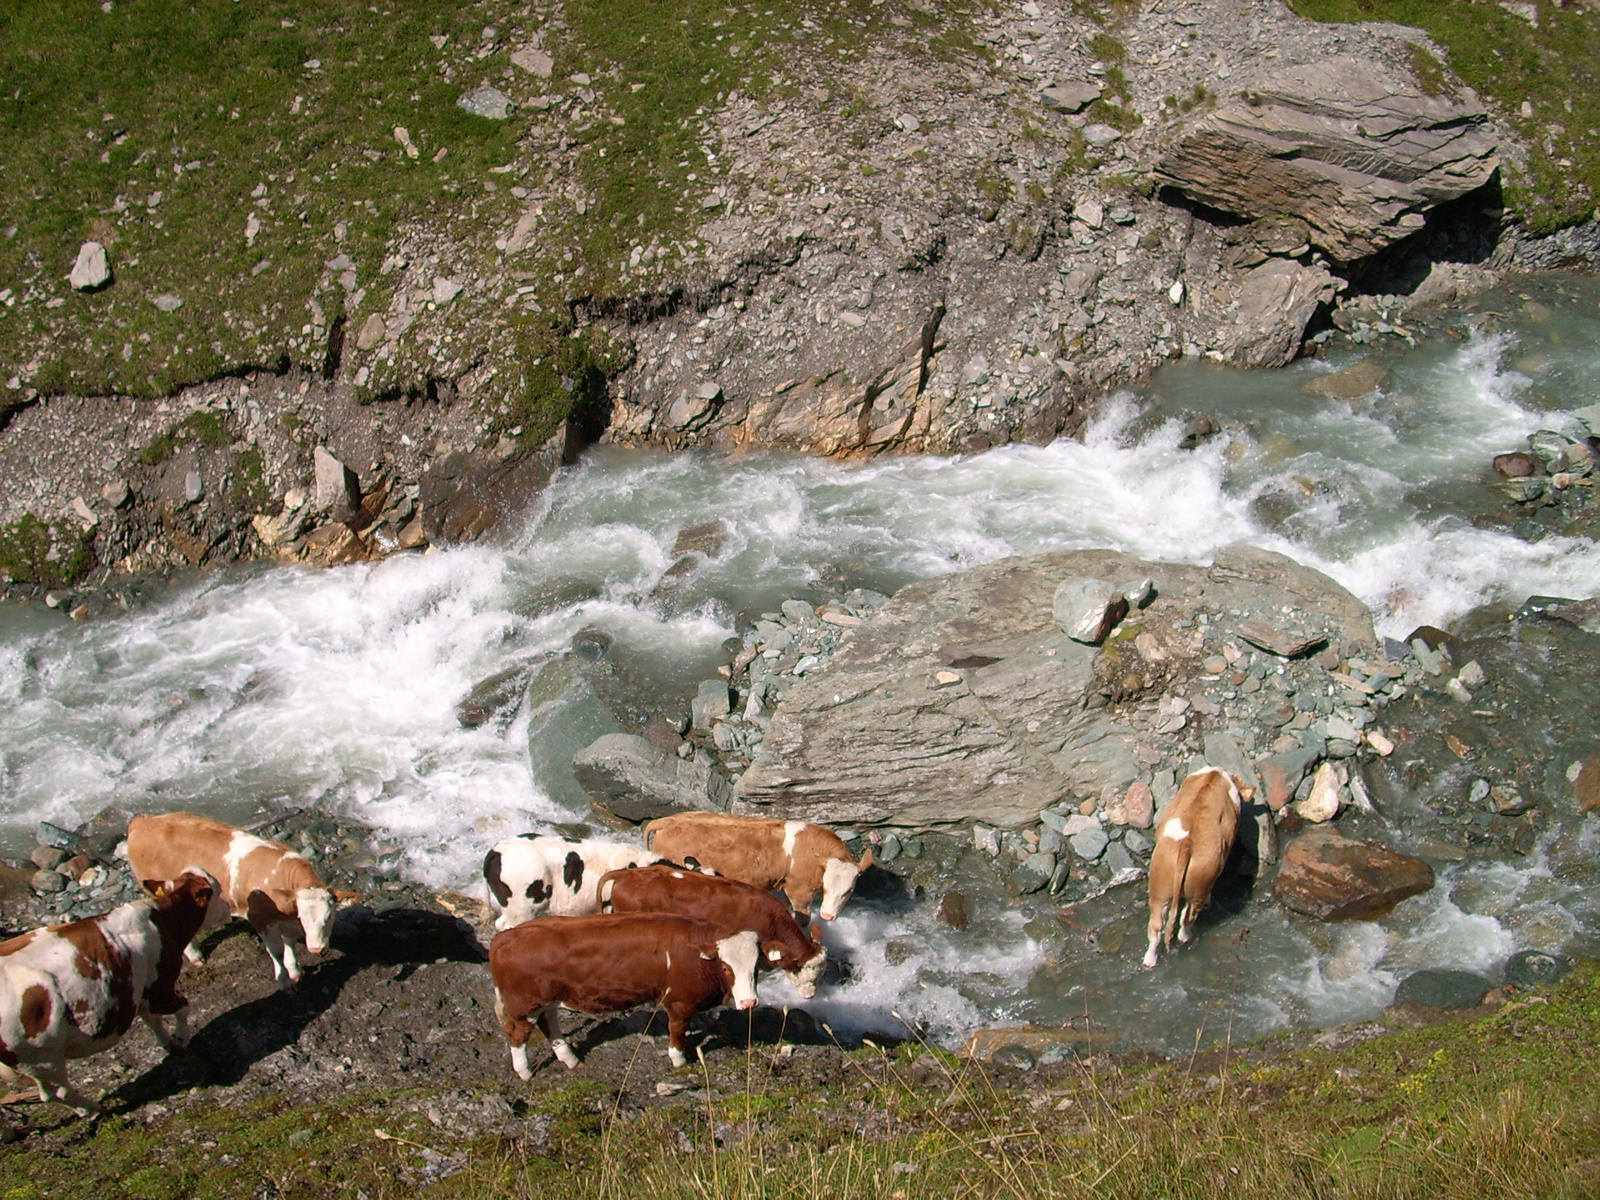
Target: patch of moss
pixel 32 551
pixel 1541 78
pixel 249 492
pixel 563 373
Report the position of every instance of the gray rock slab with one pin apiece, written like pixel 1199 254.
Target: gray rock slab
pixel 640 781
pixel 1535 968
pixel 711 703
pixel 863 740
pixel 92 268
pixel 1351 145
pixel 1089 843
pixel 1442 989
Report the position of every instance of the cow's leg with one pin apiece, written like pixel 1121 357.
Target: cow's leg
pixel 54 1085
pixel 550 1025
pixel 176 1040
pixel 272 939
pixel 677 1026
pixel 800 899
pixel 1158 918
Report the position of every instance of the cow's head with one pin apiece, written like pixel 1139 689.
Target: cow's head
pixel 738 955
pixel 183 902
pixel 810 972
pixel 315 907
pixel 839 877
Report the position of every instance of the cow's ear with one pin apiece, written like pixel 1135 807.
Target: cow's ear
pixel 816 933
pixel 1247 793
pixel 345 898
pixel 156 887
pixel 866 859
pixel 707 952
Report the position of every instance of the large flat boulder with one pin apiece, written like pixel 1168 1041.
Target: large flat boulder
pixel 632 778
pixel 1353 146
pixel 963 700
pixel 1334 878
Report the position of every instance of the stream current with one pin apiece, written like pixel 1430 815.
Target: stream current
pixel 250 688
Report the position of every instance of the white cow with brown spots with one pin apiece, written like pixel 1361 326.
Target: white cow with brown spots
pixel 69 991
pixel 1194 836
pixel 265 882
pixel 794 857
pixel 536 876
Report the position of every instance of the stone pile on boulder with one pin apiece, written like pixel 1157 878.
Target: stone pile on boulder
pixel 1550 486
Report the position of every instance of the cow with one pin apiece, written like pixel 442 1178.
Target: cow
pixel 727 904
pixel 607 964
pixel 1194 836
pixel 265 882
pixel 793 857
pixel 532 876
pixel 69 991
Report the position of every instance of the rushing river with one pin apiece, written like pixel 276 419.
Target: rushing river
pixel 251 688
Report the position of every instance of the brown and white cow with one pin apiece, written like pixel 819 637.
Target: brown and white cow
pixel 534 876
pixel 727 904
pixel 793 857
pixel 1194 836
pixel 69 991
pixel 265 882
pixel 607 964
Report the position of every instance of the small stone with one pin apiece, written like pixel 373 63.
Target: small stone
pixel 48 883
pixel 1533 968
pixel 372 333
pixel 1472 675
pixel 193 486
pixel 92 269
pixel 1507 800
pixel 337 487
pixel 888 849
pixel 1137 842
pixel 1053 820
pixel 1514 466
pixel 1051 841
pixel 116 493
pixel 1458 691
pixel 1382 745
pixel 986 840
pixel 1443 989
pixel 1070 97
pixel 1283 643
pixel 47 858
pixel 1091 843
pixel 1117 858
pixel 534 61
pixel 445 290
pixel 1088 609
pixel 1090 211
pixel 1139 806
pixel 953 911
pixel 1034 872
pixel 488 102
pixel 711 703
pixel 797 611
pixel 1101 134
pixel 168 302
pixel 1323 803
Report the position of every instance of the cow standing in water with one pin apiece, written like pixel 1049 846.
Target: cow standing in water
pixel 793 857
pixel 607 964
pixel 69 991
pixel 1194 836
pixel 727 904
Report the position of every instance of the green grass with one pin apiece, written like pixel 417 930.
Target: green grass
pixel 218 107
pixel 1554 68
pixel 1499 1106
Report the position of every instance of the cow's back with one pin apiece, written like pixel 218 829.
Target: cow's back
pixel 749 849
pixel 1206 818
pixel 729 904
pixel 163 846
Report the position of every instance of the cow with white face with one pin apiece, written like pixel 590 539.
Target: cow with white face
pixel 794 857
pixel 265 882
pixel 533 876
pixel 607 964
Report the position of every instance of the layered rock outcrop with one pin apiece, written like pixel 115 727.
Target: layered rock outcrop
pixel 963 699
pixel 1355 148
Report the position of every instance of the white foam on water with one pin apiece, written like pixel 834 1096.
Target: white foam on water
pixel 339 688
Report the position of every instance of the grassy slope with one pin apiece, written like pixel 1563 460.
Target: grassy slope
pixel 1553 68
pixel 1506 1105
pixel 216 106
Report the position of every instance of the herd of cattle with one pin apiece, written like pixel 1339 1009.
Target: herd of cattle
pixel 681 922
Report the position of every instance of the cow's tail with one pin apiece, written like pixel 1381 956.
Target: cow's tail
pixel 1169 919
